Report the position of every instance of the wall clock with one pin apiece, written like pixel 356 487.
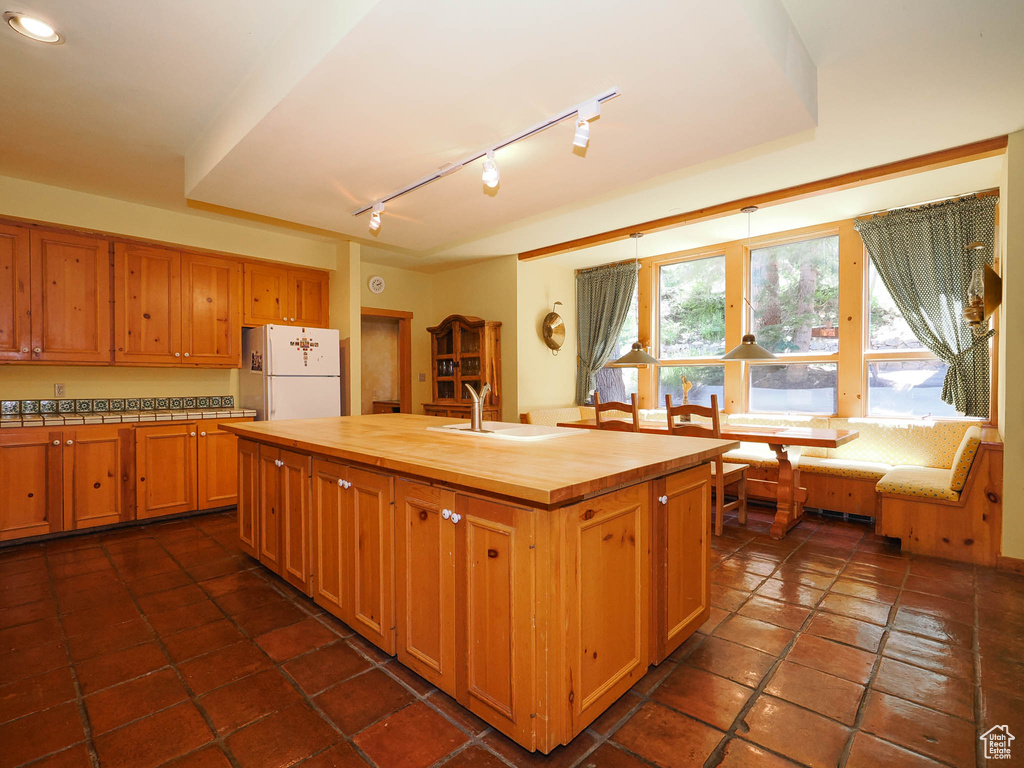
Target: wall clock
pixel 377 284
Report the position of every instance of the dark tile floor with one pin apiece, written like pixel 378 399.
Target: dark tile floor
pixel 163 645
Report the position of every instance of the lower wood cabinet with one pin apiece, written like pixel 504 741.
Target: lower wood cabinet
pixel 283 513
pixel 183 466
pixel 353 532
pixel 57 480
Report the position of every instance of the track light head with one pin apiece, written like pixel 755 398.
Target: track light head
pixel 378 209
pixel 582 135
pixel 491 176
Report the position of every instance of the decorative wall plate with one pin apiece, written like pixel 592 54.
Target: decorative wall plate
pixel 553 329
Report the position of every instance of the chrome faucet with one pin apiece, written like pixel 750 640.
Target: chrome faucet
pixel 476 415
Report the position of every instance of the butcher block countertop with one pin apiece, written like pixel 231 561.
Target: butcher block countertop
pixel 544 473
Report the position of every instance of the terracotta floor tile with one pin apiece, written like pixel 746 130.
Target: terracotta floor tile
pixel 700 694
pixel 282 739
pixel 107 639
pixel 469 722
pixel 207 757
pixel 752 564
pixel 789 730
pixel 820 563
pixel 736 579
pixel 856 608
pixel 356 703
pixel 324 667
pixel 120 704
pixel 939 607
pixel 246 700
pixel 72 757
pixel 775 612
pixel 217 668
pixel 117 666
pixel 934 734
pixel 611 718
pixel 269 617
pixel 930 654
pixel 963 593
pixel 866 591
pixel 226 584
pixel 1002 675
pixel 605 756
pixel 870 752
pixel 247 598
pixel 42 632
pixel 414 737
pixel 161 582
pixel 716 617
pixel 845 630
pixel 825 694
pixel 824 655
pixel 409 678
pixel 211 569
pixel 726 598
pixel 897 563
pixel 33 593
pixel 668 738
pixel 155 739
pixel 34 736
pixel 932 568
pixel 755 634
pixel 741 754
pixel 652 678
pixel 103 616
pixel 32 694
pixel 171 598
pixel 185 617
pixel 916 623
pixel 291 641
pixel 793 575
pixel 865 572
pixel 28 612
pixel 199 640
pixel 1000 645
pixel 999 707
pixel 736 662
pixel 798 594
pixel 32 661
pixel 343 755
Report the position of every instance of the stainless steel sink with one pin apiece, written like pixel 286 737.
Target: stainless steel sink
pixel 501 430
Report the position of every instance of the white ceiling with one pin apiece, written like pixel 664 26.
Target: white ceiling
pixel 305 111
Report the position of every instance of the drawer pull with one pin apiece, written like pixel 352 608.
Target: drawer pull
pixel 446 513
pixel 456 517
pixel 663 499
pixel 344 484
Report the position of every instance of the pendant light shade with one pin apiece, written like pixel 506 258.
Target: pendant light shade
pixel 748 349
pixel 637 356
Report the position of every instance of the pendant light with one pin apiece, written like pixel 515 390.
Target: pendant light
pixel 636 356
pixel 748 348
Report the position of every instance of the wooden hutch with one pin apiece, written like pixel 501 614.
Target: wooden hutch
pixel 464 350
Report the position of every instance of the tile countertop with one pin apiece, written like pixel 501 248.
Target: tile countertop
pixel 121 417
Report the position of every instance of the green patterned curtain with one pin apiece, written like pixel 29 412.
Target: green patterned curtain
pixel 602 303
pixel 921 256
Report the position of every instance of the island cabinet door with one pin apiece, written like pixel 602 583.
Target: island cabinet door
pixel 269 517
pixel 331 540
pixel 295 513
pixel 682 557
pixel 494 613
pixel 606 582
pixel 425 567
pixel 248 497
pixel 370 498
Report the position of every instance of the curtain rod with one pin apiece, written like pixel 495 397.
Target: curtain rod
pixel 961 196
pixel 605 266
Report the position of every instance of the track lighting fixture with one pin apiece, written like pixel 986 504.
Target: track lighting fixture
pixel 378 209
pixel 581 115
pixel 491 175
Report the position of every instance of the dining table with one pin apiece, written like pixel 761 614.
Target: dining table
pixel 785 490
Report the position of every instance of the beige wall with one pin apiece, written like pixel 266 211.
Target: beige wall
pixel 39 202
pixel 344 302
pixel 1011 353
pixel 545 380
pixel 380 363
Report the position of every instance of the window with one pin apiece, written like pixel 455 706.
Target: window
pixel 904 379
pixel 612 382
pixel 794 388
pixel 707 380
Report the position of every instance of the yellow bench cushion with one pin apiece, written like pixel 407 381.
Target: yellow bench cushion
pixel 752 458
pixel 549 417
pixel 864 470
pixel 964 458
pixel 926 482
pixel 912 443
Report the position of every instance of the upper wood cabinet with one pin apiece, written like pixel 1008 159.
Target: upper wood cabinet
pixel 15 306
pixel 173 308
pixel 70 298
pixel 281 296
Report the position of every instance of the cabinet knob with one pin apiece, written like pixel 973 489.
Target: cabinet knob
pixel 191 434
pixel 177 354
pixel 278 462
pixel 202 434
pixel 70 442
pixel 293 319
pixel 456 517
pixel 285 319
pixel 446 513
pixel 37 349
pixel 56 442
pixel 663 499
pixel 24 349
pixel 186 354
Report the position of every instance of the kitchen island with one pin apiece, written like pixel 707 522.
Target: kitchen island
pixel 534 580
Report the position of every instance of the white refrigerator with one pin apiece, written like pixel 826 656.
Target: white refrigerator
pixel 289 372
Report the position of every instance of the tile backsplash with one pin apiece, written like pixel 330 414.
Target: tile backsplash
pixel 105 405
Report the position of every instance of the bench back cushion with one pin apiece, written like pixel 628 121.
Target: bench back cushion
pixel 915 443
pixel 964 458
pixel 550 417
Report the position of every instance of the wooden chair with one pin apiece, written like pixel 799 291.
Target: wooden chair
pixel 722 473
pixel 618 425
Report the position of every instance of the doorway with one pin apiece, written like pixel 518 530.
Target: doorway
pixel 386 361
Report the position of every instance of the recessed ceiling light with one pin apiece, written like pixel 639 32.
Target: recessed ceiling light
pixel 33 28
